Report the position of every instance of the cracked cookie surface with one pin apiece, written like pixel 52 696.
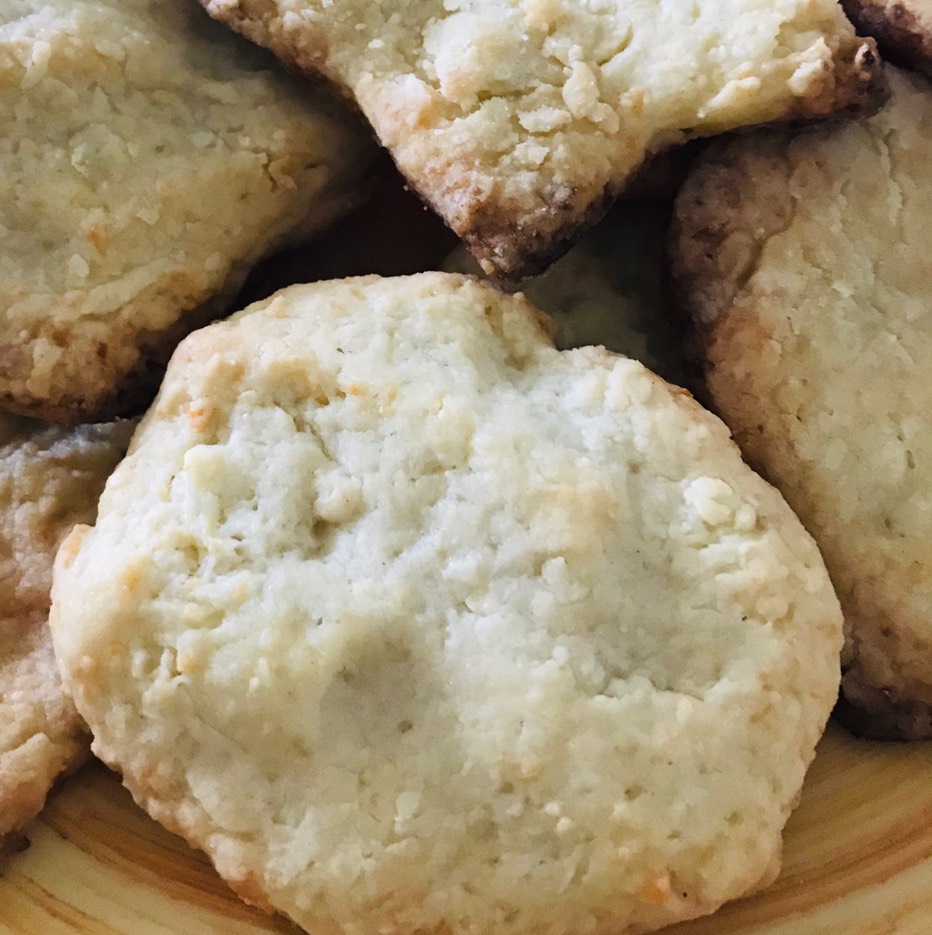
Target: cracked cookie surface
pixel 521 121
pixel 415 623
pixel 147 160
pixel 803 261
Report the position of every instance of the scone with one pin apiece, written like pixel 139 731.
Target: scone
pixel 521 120
pixel 902 28
pixel 147 160
pixel 607 289
pixel 50 479
pixel 417 624
pixel 804 262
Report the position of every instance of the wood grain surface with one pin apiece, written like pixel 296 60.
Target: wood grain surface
pixel 858 861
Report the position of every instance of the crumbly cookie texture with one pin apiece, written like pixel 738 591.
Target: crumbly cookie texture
pixel 147 160
pixel 50 479
pixel 804 262
pixel 606 290
pixel 520 120
pixel 902 28
pixel 417 624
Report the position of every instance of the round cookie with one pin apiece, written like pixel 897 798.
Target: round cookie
pixel 803 261
pixel 50 479
pixel 417 624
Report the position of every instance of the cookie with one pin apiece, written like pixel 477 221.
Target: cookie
pixel 50 479
pixel 902 28
pixel 803 262
pixel 607 289
pixel 417 624
pixel 521 121
pixel 148 160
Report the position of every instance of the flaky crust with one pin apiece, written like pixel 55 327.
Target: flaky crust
pixel 149 159
pixel 902 28
pixel 521 122
pixel 802 262
pixel 417 624
pixel 50 479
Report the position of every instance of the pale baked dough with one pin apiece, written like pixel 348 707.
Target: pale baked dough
pixel 147 160
pixel 805 262
pixel 902 28
pixel 417 624
pixel 50 479
pixel 520 120
pixel 607 290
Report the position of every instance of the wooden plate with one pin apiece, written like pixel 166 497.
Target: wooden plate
pixel 858 861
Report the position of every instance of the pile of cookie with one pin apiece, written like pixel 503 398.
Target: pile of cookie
pixel 411 599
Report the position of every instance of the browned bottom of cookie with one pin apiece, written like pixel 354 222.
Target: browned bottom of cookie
pixel 900 31
pixel 128 383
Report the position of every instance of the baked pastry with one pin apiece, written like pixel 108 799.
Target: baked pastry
pixel 148 160
pixel 607 289
pixel 804 263
pixel 50 479
pixel 902 28
pixel 521 120
pixel 417 624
